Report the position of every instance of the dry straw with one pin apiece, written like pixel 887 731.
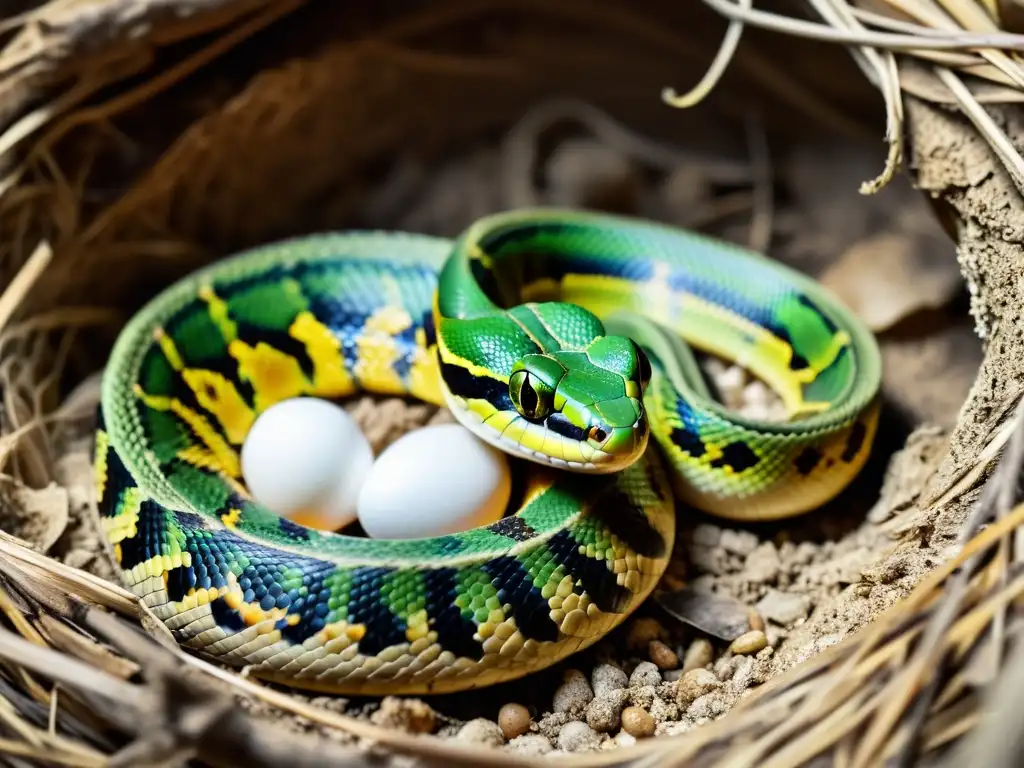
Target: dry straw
pixel 903 689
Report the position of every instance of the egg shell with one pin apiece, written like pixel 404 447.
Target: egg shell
pixel 306 460
pixel 433 481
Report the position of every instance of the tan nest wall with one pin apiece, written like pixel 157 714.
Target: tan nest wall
pixel 142 141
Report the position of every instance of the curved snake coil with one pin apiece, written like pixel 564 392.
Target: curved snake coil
pixel 501 326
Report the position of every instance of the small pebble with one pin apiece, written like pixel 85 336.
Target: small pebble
pixel 743 673
pixel 756 392
pixel 695 684
pixel 750 642
pixel 637 722
pixel 625 739
pixel 663 656
pixel 573 694
pixel 783 607
pixel 740 543
pixel 763 564
pixel 664 711
pixel 705 708
pixel 723 667
pixel 411 715
pixel 699 654
pixel 607 678
pixel 730 384
pixel 482 731
pixel 603 712
pixel 645 673
pixel 578 737
pixel 775 635
pixel 707 535
pixel 642 695
pixel 756 622
pixel 643 631
pixel 531 744
pixel 514 720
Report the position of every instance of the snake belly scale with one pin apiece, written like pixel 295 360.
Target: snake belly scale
pixel 564 338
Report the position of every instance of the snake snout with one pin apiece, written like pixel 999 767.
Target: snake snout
pixel 623 436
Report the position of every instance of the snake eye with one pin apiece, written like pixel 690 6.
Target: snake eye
pixel 597 434
pixel 531 397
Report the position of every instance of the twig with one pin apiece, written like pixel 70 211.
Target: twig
pixel 22 283
pixel 1007 153
pixel 909 43
pixel 998 736
pixel 714 73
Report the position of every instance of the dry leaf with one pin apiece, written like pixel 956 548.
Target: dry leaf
pixel 891 276
pixel 36 516
pixel 718 615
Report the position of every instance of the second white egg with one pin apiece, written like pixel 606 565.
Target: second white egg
pixel 433 481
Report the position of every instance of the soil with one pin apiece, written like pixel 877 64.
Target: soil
pixel 765 596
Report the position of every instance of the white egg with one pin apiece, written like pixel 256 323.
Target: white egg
pixel 306 460
pixel 432 481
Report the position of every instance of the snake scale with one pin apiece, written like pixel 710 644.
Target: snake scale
pixel 565 338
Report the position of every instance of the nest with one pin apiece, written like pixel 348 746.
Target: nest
pixel 141 139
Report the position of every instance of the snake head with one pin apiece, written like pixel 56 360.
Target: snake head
pixel 583 408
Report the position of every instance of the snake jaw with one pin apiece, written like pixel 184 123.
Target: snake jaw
pixel 600 460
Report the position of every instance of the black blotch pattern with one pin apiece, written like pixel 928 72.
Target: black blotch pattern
pixel 311 608
pixel 689 442
pixel 854 442
pixel 514 527
pixel 807 460
pixel 224 365
pixel 592 575
pixel 464 384
pixel 151 529
pixel 797 362
pixel 454 632
pixel 739 456
pixel 620 515
pixel 227 367
pixel 279 340
pixel 487 280
pixel 189 520
pixel 429 330
pixel 499 241
pixel 118 479
pixel 293 530
pixel 657 482
pixel 383 628
pixel 529 608
pixel 226 616
pixel 179 581
pixel 560 424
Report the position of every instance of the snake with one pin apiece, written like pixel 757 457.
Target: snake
pixel 568 339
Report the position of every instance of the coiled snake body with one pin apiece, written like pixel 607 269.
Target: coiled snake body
pixel 502 327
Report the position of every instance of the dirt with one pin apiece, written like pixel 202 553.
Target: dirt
pixel 793 587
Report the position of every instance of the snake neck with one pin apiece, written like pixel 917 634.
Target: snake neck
pixel 541 380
